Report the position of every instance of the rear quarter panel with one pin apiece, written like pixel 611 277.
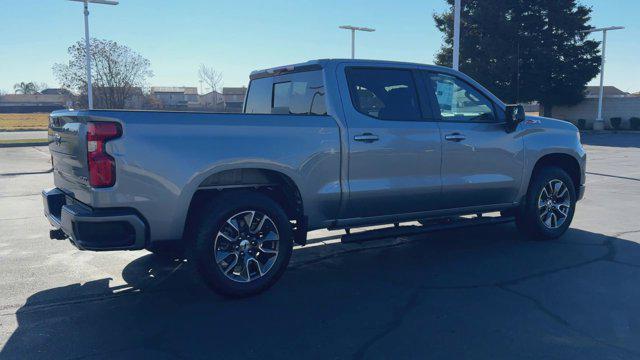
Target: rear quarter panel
pixel 162 158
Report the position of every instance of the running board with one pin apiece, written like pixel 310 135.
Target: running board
pixel 414 229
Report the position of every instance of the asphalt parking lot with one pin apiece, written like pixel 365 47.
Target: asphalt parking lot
pixel 469 293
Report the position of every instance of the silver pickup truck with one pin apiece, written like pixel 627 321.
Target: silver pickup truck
pixel 334 144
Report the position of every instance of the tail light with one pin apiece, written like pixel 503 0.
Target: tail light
pixel 102 167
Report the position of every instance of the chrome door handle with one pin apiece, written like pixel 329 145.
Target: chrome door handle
pixel 455 137
pixel 366 137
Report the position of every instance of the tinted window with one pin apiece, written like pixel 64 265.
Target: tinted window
pixel 297 94
pixel 259 97
pixel 386 94
pixel 458 101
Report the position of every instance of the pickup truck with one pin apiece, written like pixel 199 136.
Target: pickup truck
pixel 334 144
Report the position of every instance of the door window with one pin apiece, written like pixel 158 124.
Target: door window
pixel 458 101
pixel 386 94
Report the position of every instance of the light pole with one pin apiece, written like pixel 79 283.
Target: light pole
pixel 599 123
pixel 87 58
pixel 353 36
pixel 456 35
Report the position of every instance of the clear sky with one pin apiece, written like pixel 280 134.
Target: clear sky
pixel 238 36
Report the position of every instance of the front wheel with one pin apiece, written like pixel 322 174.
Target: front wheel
pixel 549 205
pixel 243 244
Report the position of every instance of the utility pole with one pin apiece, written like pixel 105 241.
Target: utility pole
pixel 353 36
pixel 599 123
pixel 87 48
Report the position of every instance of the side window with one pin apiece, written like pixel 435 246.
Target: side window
pixel 299 94
pixel 458 101
pixel 386 94
pixel 291 94
pixel 259 97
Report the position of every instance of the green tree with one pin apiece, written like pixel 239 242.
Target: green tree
pixel 524 50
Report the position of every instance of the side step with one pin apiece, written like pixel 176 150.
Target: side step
pixel 414 229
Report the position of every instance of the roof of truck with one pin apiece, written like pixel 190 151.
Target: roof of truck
pixel 321 63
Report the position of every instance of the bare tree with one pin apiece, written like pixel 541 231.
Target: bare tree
pixel 118 72
pixel 210 76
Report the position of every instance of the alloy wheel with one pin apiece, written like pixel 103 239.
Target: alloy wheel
pixel 554 204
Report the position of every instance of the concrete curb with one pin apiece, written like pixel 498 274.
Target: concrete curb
pixel 25 144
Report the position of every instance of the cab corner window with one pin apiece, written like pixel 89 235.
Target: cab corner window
pixel 386 94
pixel 292 94
pixel 458 101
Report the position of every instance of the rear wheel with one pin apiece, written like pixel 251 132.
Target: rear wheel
pixel 243 244
pixel 549 205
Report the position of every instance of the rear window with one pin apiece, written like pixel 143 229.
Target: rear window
pixel 290 94
pixel 386 94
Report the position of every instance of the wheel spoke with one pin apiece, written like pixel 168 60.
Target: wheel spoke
pixel 260 224
pixel 562 192
pixel 246 232
pixel 556 187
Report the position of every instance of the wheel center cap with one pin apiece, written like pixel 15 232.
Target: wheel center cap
pixel 244 245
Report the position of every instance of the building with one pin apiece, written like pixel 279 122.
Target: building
pixel 212 101
pixel 608 91
pixel 615 103
pixel 171 97
pixel 30 103
pixel 234 98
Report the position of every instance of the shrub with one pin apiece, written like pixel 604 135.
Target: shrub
pixel 582 124
pixel 635 123
pixel 616 122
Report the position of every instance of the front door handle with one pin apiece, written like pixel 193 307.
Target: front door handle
pixel 457 137
pixel 366 137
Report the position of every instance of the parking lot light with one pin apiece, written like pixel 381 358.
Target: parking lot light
pixel 353 36
pixel 599 123
pixel 86 43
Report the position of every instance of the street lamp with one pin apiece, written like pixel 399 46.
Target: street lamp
pixel 456 34
pixel 87 58
pixel 353 36
pixel 599 123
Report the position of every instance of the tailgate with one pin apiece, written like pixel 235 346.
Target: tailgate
pixel 67 144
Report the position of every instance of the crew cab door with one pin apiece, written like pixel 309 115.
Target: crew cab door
pixel 393 142
pixel 482 164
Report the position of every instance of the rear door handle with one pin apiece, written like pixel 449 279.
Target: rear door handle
pixel 457 137
pixel 366 137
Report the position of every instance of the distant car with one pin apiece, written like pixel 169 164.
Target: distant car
pixel 324 144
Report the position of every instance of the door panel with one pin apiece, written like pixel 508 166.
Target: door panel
pixel 394 153
pixel 482 169
pixel 482 164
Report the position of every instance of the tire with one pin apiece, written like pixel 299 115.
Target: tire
pixel 549 205
pixel 223 236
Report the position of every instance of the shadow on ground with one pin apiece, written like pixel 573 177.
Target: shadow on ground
pixel 480 293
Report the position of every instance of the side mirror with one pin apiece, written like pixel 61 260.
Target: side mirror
pixel 514 115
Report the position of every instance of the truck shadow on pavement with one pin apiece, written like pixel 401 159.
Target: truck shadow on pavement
pixel 468 293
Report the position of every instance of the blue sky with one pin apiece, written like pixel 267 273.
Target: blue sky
pixel 238 36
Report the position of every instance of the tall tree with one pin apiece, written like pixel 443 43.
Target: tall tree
pixel 25 88
pixel 524 50
pixel 118 72
pixel 210 76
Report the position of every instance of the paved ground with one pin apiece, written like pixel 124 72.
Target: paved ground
pixel 20 135
pixel 474 293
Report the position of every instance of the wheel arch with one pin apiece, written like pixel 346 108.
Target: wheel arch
pixel 563 161
pixel 273 183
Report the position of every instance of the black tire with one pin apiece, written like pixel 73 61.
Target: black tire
pixel 528 217
pixel 214 217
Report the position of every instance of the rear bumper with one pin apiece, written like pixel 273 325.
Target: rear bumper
pixel 94 229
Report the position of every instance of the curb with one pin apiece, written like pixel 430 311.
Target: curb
pixel 25 144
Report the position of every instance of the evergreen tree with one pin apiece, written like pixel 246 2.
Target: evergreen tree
pixel 524 50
